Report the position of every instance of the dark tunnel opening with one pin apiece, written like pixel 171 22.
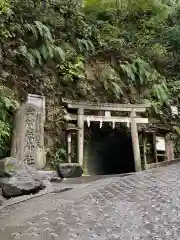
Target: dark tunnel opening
pixel 109 150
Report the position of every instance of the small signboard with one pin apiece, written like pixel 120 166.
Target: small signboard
pixel 36 100
pixel 107 114
pixel 174 110
pixel 160 144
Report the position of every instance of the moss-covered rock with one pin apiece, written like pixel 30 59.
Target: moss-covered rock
pixel 17 178
pixel 10 166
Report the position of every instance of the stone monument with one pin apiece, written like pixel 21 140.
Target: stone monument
pixel 28 135
pixel 170 150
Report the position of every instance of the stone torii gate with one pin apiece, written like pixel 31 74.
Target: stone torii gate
pixel 108 108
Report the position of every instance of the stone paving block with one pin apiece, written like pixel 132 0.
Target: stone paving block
pixel 143 206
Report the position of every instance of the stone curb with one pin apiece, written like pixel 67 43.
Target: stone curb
pixel 24 198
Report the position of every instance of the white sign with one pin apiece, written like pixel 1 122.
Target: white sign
pixel 160 144
pixel 174 110
pixel 107 114
pixel 36 100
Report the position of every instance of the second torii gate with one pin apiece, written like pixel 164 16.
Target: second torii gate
pixel 108 108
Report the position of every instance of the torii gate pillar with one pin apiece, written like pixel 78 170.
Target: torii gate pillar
pixel 135 142
pixel 80 136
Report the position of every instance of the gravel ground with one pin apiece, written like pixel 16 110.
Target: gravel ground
pixel 145 206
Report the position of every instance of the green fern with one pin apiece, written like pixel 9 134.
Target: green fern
pixel 160 92
pixel 43 31
pixel 117 90
pixel 34 56
pixel 111 81
pixel 40 27
pixel 85 45
pixel 31 28
pixel 37 56
pixel 22 50
pixel 50 50
pixel 128 70
pixel 59 54
pixel 44 52
pixel 31 60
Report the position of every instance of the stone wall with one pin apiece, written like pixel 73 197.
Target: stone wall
pixel 161 164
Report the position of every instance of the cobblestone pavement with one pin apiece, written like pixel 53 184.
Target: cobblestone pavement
pixel 145 206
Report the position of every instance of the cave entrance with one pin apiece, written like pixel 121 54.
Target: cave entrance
pixel 108 150
pixel 104 113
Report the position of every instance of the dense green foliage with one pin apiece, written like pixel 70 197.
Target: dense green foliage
pixel 7 107
pixel 123 51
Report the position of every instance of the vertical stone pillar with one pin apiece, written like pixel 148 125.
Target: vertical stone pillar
pixel 69 141
pixel 28 136
pixel 80 136
pixel 154 147
pixel 135 142
pixel 144 150
pixel 169 150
